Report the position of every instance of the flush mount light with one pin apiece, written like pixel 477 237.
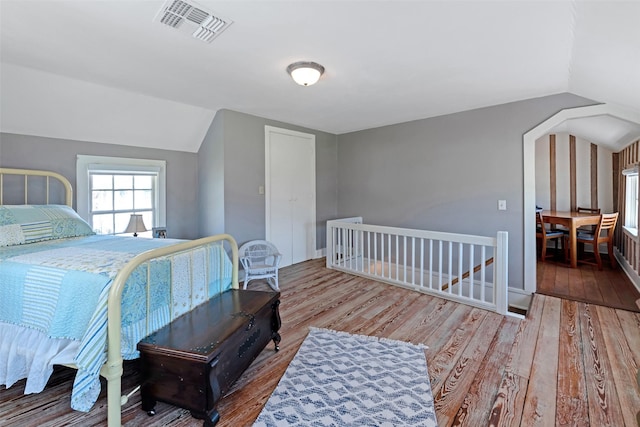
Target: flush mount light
pixel 305 73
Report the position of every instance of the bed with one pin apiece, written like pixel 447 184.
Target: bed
pixel 74 298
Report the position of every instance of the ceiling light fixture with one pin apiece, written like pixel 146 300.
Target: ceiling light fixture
pixel 305 73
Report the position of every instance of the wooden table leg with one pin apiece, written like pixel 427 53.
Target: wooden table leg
pixel 573 245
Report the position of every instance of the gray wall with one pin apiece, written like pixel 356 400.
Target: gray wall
pixel 446 173
pixel 34 152
pixel 244 171
pixel 211 180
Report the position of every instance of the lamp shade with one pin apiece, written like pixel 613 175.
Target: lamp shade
pixel 305 73
pixel 136 224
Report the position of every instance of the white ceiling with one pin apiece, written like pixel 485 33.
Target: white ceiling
pixel 386 62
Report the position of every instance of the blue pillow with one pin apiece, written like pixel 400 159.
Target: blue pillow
pixel 20 224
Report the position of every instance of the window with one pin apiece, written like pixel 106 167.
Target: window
pixel 111 189
pixel 631 199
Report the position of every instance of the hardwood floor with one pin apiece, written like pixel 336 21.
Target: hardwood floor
pixel 609 287
pixel 566 363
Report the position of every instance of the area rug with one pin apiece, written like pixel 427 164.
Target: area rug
pixel 339 379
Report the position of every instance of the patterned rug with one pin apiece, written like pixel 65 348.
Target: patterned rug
pixel 339 379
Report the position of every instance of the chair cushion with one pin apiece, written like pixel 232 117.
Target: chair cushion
pixel 554 233
pixel 585 236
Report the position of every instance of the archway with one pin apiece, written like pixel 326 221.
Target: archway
pixel 529 140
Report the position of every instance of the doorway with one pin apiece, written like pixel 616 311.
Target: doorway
pixel 529 190
pixel 290 193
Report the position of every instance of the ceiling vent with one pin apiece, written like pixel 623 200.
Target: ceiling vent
pixel 192 19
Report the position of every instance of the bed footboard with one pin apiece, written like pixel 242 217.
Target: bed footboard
pixel 113 369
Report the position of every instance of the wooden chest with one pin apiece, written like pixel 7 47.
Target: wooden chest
pixel 195 359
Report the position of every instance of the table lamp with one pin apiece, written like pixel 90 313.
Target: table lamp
pixel 135 224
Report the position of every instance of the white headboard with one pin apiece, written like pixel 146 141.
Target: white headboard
pixel 26 173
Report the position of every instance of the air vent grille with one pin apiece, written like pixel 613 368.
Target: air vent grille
pixel 192 19
pixel 198 16
pixel 171 20
pixel 178 7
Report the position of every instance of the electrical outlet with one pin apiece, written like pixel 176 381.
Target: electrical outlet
pixel 502 205
pixel 261 189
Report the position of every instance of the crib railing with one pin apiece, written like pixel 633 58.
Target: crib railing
pixel 463 268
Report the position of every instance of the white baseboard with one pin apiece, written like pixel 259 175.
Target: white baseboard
pixel 519 298
pixel 626 267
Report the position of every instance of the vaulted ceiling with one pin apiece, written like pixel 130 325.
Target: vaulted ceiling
pixel 105 71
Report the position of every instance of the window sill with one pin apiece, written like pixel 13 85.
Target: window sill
pixel 630 231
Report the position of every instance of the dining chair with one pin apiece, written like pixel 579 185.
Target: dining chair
pixel 588 228
pixel 602 234
pixel 544 235
pixel 591 229
pixel 588 210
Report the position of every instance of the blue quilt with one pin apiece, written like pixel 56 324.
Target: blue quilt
pixel 61 287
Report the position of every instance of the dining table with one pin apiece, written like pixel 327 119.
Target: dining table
pixel 571 220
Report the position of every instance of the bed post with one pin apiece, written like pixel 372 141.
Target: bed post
pixel 234 258
pixel 112 371
pixel 113 375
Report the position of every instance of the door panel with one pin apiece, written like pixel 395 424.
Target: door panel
pixel 290 193
pixel 301 194
pixel 280 197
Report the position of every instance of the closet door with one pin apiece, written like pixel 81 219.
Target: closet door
pixel 290 193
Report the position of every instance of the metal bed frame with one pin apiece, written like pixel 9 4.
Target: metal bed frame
pixel 113 368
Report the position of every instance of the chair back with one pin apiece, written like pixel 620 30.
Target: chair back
pixel 589 210
pixel 260 251
pixel 607 223
pixel 540 224
pixel 588 228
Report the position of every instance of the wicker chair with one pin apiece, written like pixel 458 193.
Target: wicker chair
pixel 260 260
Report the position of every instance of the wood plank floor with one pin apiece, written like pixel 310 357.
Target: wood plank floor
pixel 567 363
pixel 609 287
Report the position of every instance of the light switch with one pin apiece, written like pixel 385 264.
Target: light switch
pixel 261 189
pixel 502 205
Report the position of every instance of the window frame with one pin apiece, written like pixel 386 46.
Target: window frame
pixel 87 164
pixel 631 200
